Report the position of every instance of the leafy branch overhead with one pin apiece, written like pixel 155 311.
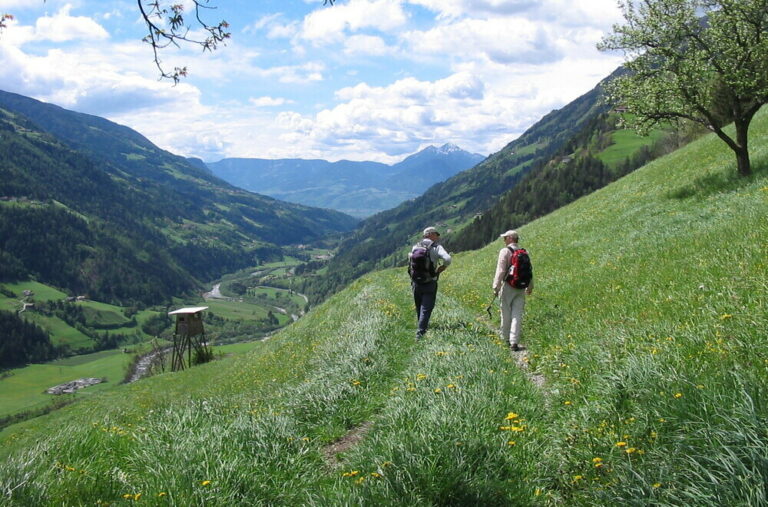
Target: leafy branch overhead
pixel 704 61
pixel 166 25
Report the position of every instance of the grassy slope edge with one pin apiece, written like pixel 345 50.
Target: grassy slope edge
pixel 647 328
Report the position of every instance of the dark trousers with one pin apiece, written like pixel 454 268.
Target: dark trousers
pixel 424 297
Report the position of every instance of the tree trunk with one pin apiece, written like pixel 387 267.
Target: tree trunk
pixel 742 162
pixel 742 147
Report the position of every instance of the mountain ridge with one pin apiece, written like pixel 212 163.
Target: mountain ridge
pixel 358 188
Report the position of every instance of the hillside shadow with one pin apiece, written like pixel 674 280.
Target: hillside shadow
pixel 710 184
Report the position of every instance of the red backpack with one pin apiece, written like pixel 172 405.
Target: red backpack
pixel 520 272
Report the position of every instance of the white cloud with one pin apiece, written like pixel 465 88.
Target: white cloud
pixel 502 40
pixel 296 74
pixel 10 5
pixel 368 45
pixel 269 101
pixel 62 27
pixel 325 26
pixel 274 27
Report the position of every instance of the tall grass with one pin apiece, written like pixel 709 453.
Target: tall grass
pixel 647 327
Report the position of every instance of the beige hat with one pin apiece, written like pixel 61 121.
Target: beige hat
pixel 510 233
pixel 430 230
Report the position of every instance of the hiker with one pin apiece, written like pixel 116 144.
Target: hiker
pixel 513 287
pixel 423 267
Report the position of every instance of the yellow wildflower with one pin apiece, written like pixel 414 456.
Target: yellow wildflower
pixel 205 483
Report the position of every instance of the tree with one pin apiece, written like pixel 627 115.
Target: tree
pixel 166 26
pixel 700 60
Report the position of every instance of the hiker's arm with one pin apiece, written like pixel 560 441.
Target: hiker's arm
pixel 501 270
pixel 444 255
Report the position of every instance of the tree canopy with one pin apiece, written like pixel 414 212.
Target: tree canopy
pixel 700 60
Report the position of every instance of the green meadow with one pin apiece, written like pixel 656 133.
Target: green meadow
pixel 24 388
pixel 644 378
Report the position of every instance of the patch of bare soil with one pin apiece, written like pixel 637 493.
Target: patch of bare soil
pixel 331 452
pixel 521 358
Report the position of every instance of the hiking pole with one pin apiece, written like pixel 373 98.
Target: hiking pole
pixel 490 305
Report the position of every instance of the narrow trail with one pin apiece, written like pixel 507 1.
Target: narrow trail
pixel 442 323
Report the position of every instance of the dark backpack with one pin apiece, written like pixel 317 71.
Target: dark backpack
pixel 420 265
pixel 520 269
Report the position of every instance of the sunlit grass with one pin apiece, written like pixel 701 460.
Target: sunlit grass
pixel 647 326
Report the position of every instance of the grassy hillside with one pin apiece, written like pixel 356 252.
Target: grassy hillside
pixel 644 380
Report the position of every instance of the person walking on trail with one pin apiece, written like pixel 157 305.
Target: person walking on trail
pixel 514 279
pixel 426 261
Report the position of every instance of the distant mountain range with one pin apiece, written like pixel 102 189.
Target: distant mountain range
pixel 359 189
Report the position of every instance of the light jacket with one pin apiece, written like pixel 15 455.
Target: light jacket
pixel 502 268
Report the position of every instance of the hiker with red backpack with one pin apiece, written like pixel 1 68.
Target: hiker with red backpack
pixel 514 279
pixel 423 268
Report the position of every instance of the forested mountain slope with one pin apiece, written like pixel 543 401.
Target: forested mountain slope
pixel 91 206
pixel 644 378
pixel 569 152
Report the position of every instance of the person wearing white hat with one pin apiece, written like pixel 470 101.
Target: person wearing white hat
pixel 512 302
pixel 425 287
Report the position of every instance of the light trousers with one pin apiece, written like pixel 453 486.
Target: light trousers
pixel 512 306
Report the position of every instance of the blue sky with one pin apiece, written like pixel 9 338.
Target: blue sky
pixel 362 80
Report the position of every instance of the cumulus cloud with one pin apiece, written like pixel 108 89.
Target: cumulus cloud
pixel 502 40
pixel 458 8
pixel 398 118
pixel 326 26
pixel 368 45
pixel 62 27
pixel 473 72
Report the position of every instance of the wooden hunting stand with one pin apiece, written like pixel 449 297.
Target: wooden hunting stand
pixel 189 335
